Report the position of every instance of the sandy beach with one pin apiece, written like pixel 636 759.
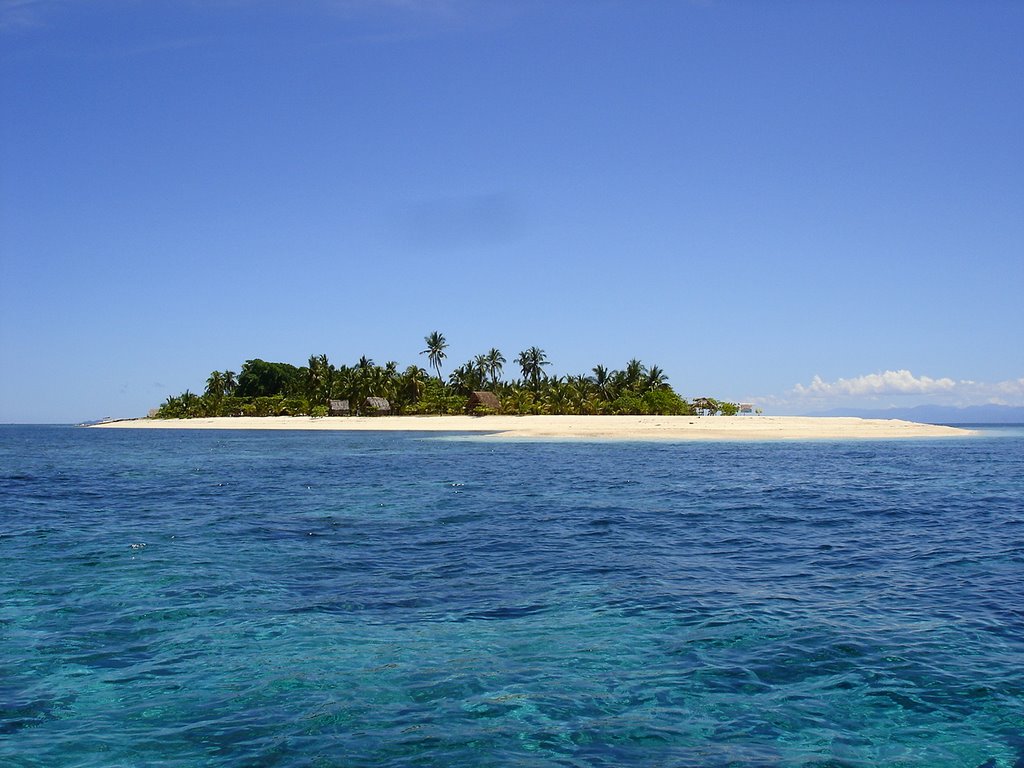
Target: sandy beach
pixel 583 427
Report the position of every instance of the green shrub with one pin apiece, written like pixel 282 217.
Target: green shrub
pixel 296 406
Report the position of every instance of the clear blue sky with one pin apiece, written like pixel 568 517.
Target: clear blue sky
pixel 748 194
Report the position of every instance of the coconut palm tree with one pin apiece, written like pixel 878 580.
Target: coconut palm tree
pixel 480 363
pixel 531 362
pixel 634 373
pixel 557 396
pixel 319 378
pixel 466 378
pixel 602 380
pixel 656 379
pixel 411 384
pixel 495 361
pixel 436 345
pixel 215 385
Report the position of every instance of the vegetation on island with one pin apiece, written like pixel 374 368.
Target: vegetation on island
pixel 265 388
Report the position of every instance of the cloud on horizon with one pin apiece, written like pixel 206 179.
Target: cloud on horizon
pixel 903 383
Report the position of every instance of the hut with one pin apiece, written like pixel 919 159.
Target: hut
pixel 705 406
pixel 338 408
pixel 483 400
pixel 746 408
pixel 376 406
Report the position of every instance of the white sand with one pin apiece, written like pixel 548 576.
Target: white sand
pixel 588 427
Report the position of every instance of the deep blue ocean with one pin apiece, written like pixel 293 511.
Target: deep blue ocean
pixel 201 598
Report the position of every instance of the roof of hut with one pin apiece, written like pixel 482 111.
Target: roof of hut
pixel 705 404
pixel 378 403
pixel 338 405
pixel 483 400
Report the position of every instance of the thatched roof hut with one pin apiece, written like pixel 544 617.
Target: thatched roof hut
pixel 376 406
pixel 338 408
pixel 705 406
pixel 487 400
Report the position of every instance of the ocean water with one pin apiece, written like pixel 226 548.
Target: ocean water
pixel 330 599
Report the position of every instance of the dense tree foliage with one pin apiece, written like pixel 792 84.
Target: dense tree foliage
pixel 264 388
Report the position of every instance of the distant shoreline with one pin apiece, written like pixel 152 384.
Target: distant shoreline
pixel 754 428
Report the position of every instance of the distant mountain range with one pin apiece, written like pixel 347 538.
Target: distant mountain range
pixel 938 414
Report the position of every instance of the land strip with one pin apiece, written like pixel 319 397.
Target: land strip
pixel 584 427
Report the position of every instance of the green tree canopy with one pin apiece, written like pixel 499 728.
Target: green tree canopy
pixel 262 379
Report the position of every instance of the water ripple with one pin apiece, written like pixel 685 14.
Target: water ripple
pixel 238 599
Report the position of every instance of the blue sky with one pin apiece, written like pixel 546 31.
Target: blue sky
pixel 801 204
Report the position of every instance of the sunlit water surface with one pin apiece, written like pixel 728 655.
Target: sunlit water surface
pixel 331 599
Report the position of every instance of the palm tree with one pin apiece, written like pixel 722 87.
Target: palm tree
pixel 189 404
pixel 531 362
pixel 319 379
pixel 656 379
pixel 436 346
pixel 557 396
pixel 495 361
pixel 412 383
pixel 466 378
pixel 215 384
pixel 634 373
pixel 480 363
pixel 602 378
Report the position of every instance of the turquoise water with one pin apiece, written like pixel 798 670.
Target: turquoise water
pixel 331 599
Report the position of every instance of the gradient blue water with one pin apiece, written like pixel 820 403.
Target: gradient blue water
pixel 331 599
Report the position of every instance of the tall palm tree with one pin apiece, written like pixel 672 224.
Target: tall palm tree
pixel 466 378
pixel 343 384
pixel 531 362
pixel 436 346
pixel 656 379
pixel 602 378
pixel 480 363
pixel 319 378
pixel 495 361
pixel 635 372
pixel 215 384
pixel 412 383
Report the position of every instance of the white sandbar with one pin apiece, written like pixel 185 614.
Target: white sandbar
pixel 588 427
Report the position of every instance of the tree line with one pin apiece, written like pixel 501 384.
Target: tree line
pixel 263 388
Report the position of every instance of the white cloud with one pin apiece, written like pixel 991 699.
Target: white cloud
pixel 903 384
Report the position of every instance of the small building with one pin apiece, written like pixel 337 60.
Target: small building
pixel 705 406
pixel 376 406
pixel 483 400
pixel 338 408
pixel 746 407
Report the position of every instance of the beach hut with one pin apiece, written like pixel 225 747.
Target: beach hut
pixel 376 406
pixel 338 408
pixel 705 406
pixel 487 400
pixel 746 407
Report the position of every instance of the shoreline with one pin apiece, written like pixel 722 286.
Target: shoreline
pixel 668 428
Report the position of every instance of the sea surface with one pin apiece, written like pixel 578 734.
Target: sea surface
pixel 173 598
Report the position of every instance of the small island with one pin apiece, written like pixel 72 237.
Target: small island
pixel 320 389
pixel 634 403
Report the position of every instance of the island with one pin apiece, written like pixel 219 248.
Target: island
pixel 633 403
